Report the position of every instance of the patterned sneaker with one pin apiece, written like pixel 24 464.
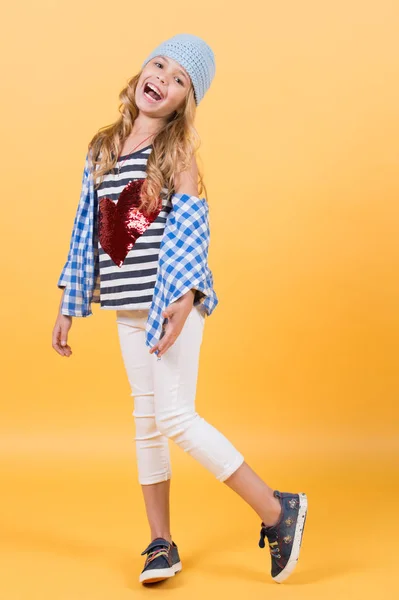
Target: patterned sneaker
pixel 162 562
pixel 285 537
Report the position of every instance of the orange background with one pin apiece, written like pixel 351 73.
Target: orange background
pixel 299 364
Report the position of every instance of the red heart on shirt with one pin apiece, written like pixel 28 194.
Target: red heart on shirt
pixel 121 223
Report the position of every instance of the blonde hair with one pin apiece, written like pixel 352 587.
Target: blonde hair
pixel 173 146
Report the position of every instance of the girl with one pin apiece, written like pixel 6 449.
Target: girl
pixel 139 246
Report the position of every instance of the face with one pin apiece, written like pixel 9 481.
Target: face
pixel 171 82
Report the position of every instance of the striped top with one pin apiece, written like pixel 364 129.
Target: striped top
pixel 128 262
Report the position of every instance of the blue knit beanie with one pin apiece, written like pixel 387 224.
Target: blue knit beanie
pixel 194 54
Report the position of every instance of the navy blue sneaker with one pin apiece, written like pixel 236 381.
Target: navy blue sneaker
pixel 285 537
pixel 162 562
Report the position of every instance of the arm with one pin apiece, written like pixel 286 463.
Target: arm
pixel 67 281
pixel 66 275
pixel 71 277
pixel 178 311
pixel 60 332
pixel 187 183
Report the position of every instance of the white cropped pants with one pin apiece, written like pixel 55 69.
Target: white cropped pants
pixel 164 393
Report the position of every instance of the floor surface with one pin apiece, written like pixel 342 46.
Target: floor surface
pixel 73 525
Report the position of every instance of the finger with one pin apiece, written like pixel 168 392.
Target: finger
pixel 164 349
pixel 156 348
pixel 56 340
pixel 63 341
pixel 58 349
pixel 63 350
pixel 56 331
pixel 67 350
pixel 167 341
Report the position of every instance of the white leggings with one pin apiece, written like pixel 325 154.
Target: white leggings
pixel 164 400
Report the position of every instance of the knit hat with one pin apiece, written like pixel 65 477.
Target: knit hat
pixel 194 54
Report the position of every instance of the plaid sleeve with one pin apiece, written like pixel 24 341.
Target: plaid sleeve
pixel 72 272
pixel 184 256
pixel 183 261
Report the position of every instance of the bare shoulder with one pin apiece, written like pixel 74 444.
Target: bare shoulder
pixel 187 181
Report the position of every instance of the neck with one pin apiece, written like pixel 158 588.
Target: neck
pixel 145 125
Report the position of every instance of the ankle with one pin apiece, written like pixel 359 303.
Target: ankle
pixel 272 517
pixel 165 536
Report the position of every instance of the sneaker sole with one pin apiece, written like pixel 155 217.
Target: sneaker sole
pixel 154 575
pixel 296 545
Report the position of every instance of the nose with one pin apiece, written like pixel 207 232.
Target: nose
pixel 161 76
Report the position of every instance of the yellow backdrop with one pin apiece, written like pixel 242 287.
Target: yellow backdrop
pixel 299 364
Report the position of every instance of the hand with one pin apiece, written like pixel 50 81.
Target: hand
pixel 60 335
pixel 176 314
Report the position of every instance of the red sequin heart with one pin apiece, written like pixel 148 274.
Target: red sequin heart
pixel 121 223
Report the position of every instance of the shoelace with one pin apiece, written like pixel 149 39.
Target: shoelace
pixel 152 554
pixel 273 545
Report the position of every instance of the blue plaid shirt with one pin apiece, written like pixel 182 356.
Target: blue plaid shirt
pixel 182 263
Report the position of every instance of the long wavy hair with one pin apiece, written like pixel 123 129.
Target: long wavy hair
pixel 172 148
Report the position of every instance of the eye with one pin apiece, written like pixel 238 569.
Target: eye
pixel 180 80
pixel 157 63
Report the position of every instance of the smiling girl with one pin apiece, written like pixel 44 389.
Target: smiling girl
pixel 139 246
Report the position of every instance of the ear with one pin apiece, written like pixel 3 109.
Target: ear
pixel 186 182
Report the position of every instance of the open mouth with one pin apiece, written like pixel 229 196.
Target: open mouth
pixel 151 92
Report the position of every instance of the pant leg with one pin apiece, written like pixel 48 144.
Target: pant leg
pixel 152 449
pixel 175 382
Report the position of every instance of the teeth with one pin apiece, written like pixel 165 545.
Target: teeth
pixel 155 89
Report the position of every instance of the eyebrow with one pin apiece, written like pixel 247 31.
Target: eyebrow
pixel 178 70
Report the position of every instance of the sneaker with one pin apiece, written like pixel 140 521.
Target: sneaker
pixel 162 562
pixel 285 537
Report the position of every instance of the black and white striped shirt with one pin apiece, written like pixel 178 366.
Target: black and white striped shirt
pixel 131 286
